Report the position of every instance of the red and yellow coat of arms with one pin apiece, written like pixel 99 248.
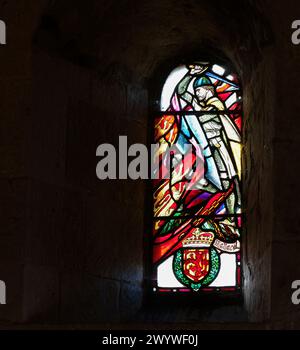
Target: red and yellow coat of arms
pixel 197 263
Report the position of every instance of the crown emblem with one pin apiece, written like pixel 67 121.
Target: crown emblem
pixel 198 239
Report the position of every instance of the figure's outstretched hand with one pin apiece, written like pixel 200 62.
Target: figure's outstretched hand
pixel 196 69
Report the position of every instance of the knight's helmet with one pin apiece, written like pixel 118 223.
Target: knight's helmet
pixel 203 81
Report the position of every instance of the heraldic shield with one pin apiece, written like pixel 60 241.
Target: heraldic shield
pixel 197 263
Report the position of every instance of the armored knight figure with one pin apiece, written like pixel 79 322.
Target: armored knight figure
pixel 210 130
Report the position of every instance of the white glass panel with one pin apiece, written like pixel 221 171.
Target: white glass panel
pixel 165 275
pixel 231 100
pixel 173 79
pixel 227 274
pixel 218 69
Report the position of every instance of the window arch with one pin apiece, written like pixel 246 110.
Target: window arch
pixel 197 205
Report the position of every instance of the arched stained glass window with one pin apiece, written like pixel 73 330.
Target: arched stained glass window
pixel 197 208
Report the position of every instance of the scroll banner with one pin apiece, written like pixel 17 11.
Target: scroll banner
pixel 227 247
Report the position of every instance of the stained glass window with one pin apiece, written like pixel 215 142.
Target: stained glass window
pixel 197 219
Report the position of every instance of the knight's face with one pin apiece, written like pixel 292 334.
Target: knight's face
pixel 201 93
